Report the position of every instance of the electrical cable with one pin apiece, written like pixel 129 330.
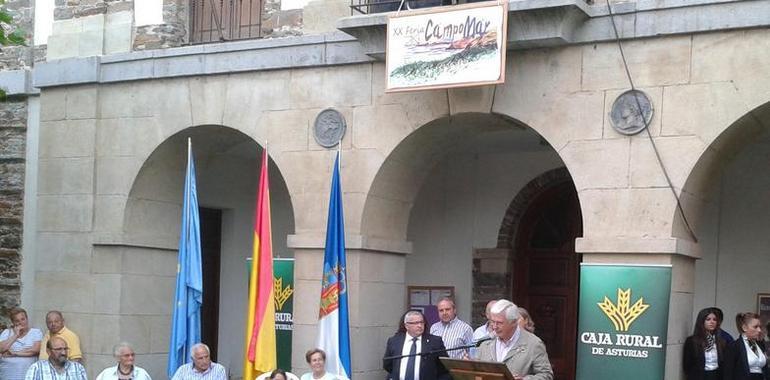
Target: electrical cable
pixel 647 125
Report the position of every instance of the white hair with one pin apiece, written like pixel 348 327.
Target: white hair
pixel 508 308
pixel 412 313
pixel 118 347
pixel 196 346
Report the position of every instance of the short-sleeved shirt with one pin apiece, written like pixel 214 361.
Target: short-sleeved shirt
pixel 111 373
pixel 186 372
pixel 73 343
pixel 14 367
pixel 44 370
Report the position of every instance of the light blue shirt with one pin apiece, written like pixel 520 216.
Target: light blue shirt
pixel 186 372
pixel 456 333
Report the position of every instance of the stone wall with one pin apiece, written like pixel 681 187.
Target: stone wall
pixel 13 129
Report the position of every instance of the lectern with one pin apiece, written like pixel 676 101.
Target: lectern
pixel 476 370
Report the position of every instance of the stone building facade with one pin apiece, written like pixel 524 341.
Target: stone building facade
pixel 441 187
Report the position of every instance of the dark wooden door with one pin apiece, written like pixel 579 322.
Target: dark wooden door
pixel 211 243
pixel 546 270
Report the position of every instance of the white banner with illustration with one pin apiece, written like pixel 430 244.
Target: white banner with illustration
pixel 454 46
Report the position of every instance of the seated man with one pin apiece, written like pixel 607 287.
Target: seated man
pixel 522 352
pixel 201 367
pixel 56 366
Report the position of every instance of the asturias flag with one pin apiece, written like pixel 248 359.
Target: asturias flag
pixel 334 333
pixel 260 355
pixel 186 325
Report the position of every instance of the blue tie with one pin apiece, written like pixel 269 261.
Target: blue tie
pixel 409 375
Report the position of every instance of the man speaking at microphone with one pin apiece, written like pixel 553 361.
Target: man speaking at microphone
pixel 522 352
pixel 420 351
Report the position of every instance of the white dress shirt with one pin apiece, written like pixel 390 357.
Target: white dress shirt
pixel 405 350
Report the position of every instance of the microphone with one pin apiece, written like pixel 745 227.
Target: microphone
pixel 482 340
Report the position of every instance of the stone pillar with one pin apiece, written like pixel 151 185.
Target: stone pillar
pixel 376 298
pixel 84 28
pixel 15 62
pixel 491 279
pixel 681 255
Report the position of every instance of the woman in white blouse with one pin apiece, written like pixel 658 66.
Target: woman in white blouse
pixel 745 357
pixel 19 346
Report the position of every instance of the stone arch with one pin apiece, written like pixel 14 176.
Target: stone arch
pixel 392 192
pixel 510 224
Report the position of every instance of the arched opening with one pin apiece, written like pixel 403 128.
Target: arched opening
pixel 227 164
pixel 546 267
pixel 726 201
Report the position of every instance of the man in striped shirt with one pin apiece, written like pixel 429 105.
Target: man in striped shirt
pixel 452 330
pixel 57 366
pixel 201 368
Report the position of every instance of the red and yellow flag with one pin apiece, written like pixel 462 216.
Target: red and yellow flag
pixel 260 355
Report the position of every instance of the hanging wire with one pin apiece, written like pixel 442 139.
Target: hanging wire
pixel 647 125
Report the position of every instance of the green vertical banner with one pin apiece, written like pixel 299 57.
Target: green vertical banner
pixel 283 271
pixel 283 290
pixel 623 320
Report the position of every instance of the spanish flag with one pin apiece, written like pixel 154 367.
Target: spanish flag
pixel 260 355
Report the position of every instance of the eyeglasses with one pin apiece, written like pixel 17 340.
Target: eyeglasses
pixel 60 349
pixel 414 323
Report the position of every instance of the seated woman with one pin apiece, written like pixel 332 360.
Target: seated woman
pixel 317 360
pixel 745 357
pixel 704 350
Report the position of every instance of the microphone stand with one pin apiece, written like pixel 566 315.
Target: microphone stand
pixel 472 345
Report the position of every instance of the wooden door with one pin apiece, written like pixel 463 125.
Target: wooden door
pixel 546 270
pixel 211 242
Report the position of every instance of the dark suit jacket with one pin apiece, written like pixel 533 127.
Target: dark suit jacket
pixel 430 367
pixel 736 361
pixel 694 358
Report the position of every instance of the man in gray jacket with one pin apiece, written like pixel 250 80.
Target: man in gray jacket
pixel 522 352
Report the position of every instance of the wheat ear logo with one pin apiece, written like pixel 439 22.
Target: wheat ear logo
pixel 281 294
pixel 623 315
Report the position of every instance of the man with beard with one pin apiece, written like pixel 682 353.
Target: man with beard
pixel 57 366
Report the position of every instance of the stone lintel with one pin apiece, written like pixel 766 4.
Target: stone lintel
pixel 120 240
pixel 547 23
pixel 17 82
pixel 221 58
pixel 624 246
pixel 360 242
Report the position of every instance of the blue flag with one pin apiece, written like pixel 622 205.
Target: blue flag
pixel 333 330
pixel 186 324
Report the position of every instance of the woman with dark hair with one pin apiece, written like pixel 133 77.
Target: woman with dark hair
pixel 745 357
pixel 704 350
pixel 278 374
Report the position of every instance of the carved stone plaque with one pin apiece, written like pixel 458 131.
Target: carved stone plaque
pixel 329 128
pixel 625 115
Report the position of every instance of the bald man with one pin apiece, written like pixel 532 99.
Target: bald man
pixel 54 320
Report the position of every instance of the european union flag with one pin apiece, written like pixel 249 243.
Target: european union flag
pixel 186 324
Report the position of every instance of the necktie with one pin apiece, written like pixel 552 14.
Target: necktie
pixel 753 345
pixel 409 375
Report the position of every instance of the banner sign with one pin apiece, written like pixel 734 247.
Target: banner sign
pixel 457 46
pixel 283 288
pixel 623 320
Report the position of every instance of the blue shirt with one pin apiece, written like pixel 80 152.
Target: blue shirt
pixel 186 372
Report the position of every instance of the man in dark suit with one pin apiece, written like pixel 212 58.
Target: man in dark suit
pixel 411 339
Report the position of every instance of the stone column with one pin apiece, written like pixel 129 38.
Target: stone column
pixel 376 298
pixel 681 255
